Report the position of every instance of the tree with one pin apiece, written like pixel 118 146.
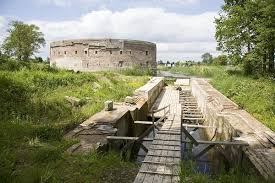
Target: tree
pixel 220 60
pixel 245 30
pixel 207 58
pixel 160 62
pixel 23 40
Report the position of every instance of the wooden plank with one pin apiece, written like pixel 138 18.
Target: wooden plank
pixel 167 179
pixel 184 118
pixel 158 178
pixel 169 132
pixel 205 150
pixel 196 126
pixel 171 148
pixel 160 173
pixel 148 178
pixel 192 115
pixel 188 135
pixel 161 163
pixel 270 136
pixel 218 142
pixel 139 178
pixel 127 138
pixel 144 122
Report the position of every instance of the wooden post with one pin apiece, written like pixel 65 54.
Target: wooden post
pixel 153 120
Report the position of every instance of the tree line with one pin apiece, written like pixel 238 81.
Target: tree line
pixel 245 30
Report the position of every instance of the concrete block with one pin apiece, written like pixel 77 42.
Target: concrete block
pixel 108 105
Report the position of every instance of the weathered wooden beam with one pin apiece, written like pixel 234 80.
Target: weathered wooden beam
pixel 270 136
pixel 205 150
pixel 161 163
pixel 217 142
pixel 143 147
pixel 193 118
pixel 169 132
pixel 144 122
pixel 127 138
pixel 196 126
pixel 193 140
pixel 157 110
pixel 166 149
pixel 193 115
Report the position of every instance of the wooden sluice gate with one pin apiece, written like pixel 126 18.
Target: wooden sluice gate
pixel 178 115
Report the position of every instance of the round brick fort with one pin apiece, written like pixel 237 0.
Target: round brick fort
pixel 102 54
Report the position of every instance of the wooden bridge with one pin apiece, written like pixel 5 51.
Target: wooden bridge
pixel 176 111
pixel 162 162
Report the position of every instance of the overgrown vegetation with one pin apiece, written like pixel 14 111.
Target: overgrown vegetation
pixel 136 71
pixel 189 174
pixel 34 115
pixel 255 95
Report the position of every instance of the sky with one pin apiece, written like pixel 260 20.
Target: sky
pixel 182 29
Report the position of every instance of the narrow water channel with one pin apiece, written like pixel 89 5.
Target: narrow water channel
pixel 208 163
pixel 203 163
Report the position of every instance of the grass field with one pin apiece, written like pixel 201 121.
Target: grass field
pixel 34 115
pixel 255 95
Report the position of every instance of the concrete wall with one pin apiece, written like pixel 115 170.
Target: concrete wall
pixel 225 114
pixel 102 54
pixel 119 122
pixel 151 90
pixel 234 123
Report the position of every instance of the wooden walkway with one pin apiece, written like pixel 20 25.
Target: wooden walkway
pixel 166 97
pixel 162 162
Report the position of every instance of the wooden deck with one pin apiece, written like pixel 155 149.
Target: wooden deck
pixel 166 97
pixel 162 162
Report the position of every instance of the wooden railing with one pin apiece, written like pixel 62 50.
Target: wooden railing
pixel 160 119
pixel 141 138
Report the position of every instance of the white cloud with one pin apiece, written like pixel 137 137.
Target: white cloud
pixel 186 36
pixel 66 3
pixel 182 1
pixel 3 29
pixel 178 36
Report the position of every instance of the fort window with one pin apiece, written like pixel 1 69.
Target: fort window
pixel 120 63
pixel 75 52
pixel 95 52
pixel 65 52
pixel 111 52
pixel 59 53
pixel 86 52
pixel 130 52
pixel 147 52
pixel 120 52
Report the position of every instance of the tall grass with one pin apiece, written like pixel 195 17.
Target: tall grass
pixel 34 115
pixel 136 71
pixel 255 95
pixel 189 174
